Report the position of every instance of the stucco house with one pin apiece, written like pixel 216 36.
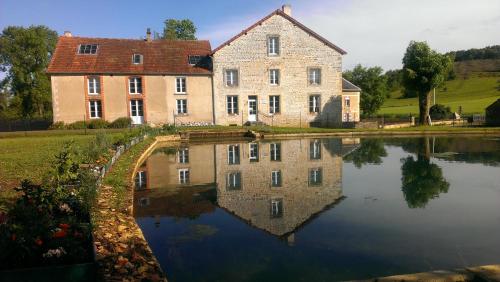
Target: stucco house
pixel 276 72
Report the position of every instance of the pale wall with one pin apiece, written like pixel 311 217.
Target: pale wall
pixel 298 51
pixel 68 99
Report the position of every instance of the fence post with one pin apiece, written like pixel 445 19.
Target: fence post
pixel 85 124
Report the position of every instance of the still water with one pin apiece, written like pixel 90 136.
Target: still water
pixel 320 209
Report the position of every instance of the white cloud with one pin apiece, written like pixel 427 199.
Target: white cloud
pixel 376 33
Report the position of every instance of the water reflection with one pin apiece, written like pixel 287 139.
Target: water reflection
pixel 274 186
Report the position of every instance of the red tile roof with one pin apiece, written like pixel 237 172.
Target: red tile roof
pixel 294 21
pixel 114 56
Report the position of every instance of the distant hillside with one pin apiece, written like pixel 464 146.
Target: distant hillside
pixel 486 53
pixel 464 69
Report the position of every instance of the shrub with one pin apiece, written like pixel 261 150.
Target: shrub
pixel 77 125
pixel 439 111
pixel 97 124
pixel 58 125
pixel 122 122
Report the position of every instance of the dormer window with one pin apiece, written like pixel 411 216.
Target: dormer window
pixel 90 49
pixel 273 45
pixel 194 59
pixel 137 59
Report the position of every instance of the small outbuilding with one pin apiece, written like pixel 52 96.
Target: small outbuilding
pixel 493 114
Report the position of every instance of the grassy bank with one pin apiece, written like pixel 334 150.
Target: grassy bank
pixel 473 94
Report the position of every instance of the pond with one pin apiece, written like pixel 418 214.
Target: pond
pixel 320 209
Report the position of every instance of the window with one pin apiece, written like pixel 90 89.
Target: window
pixel 232 105
pixel 231 78
pixel 276 178
pixel 274 104
pixel 136 108
pixel 137 59
pixel 95 109
pixel 233 154
pixel 347 102
pixel 314 103
pixel 182 106
pixel 183 156
pixel 274 77
pixel 273 45
pixel 253 152
pixel 275 151
pixel 135 85
pixel 94 85
pixel 315 76
pixel 184 176
pixel 276 208
pixel 87 49
pixel 144 201
pixel 315 176
pixel 194 59
pixel 315 150
pixel 140 180
pixel 347 117
pixel 233 181
pixel 180 85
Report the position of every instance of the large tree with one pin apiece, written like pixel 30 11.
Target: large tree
pixel 373 86
pixel 370 151
pixel 24 56
pixel 179 30
pixel 424 69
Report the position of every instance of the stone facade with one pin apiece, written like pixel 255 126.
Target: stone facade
pixel 299 52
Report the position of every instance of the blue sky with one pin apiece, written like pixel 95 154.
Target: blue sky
pixel 372 32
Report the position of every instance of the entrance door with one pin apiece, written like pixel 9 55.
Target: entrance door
pixel 136 111
pixel 252 108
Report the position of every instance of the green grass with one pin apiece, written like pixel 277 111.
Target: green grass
pixel 473 94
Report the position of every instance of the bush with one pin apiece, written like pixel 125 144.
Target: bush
pixel 97 124
pixel 122 122
pixel 439 111
pixel 77 125
pixel 58 125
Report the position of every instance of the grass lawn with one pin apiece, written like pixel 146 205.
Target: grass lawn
pixel 473 94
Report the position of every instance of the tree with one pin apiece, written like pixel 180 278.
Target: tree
pixel 373 86
pixel 370 151
pixel 421 179
pixel 24 56
pixel 394 79
pixel 179 30
pixel 424 70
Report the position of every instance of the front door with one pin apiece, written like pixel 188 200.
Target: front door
pixel 252 108
pixel 136 111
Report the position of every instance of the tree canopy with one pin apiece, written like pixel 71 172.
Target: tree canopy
pixel 370 151
pixel 24 55
pixel 373 86
pixel 490 52
pixel 424 69
pixel 179 30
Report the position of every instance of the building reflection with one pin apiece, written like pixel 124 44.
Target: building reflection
pixel 276 186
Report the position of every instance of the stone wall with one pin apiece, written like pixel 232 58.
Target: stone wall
pixel 298 52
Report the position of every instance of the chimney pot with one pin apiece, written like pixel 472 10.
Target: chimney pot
pixel 67 33
pixel 287 9
pixel 148 34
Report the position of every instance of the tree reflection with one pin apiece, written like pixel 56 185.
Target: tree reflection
pixel 370 151
pixel 421 179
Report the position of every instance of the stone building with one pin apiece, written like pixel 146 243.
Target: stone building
pixel 276 72
pixel 492 117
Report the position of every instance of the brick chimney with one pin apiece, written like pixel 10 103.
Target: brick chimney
pixel 67 33
pixel 287 9
pixel 148 35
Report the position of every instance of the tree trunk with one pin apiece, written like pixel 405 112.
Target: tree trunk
pixel 424 106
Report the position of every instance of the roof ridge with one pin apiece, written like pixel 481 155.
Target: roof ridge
pixel 130 39
pixel 292 20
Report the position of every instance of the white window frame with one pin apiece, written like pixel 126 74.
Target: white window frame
pixel 314 77
pixel 94 106
pixel 253 152
pixel 181 105
pixel 275 208
pixel 315 174
pixel 183 176
pixel 141 179
pixel 231 80
pixel 135 81
pixel 347 102
pixel 274 77
pixel 180 85
pixel 233 154
pixel 315 150
pixel 274 104
pixel 96 84
pixel 183 156
pixel 273 45
pixel 91 49
pixel 134 56
pixel 231 180
pixel 232 106
pixel 275 152
pixel 315 103
pixel 276 178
